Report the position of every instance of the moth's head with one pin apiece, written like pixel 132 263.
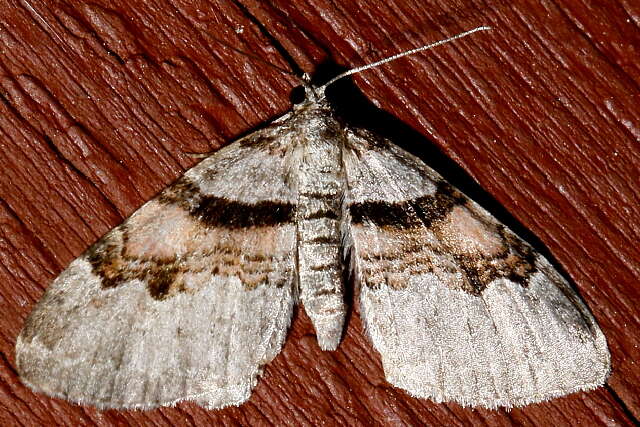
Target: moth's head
pixel 313 90
pixel 307 93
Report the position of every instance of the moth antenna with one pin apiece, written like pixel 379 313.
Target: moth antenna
pixel 322 88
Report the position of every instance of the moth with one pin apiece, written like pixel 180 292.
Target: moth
pixel 193 294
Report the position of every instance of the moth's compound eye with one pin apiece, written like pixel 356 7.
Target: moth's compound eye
pixel 297 95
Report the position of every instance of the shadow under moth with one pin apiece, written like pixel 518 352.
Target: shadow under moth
pixel 194 293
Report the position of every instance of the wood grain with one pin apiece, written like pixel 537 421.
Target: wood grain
pixel 101 101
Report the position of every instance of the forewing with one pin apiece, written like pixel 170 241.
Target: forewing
pixel 186 300
pixel 457 305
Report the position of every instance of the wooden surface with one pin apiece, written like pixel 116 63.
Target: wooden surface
pixel 101 101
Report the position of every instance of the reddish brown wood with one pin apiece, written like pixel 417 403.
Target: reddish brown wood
pixel 101 101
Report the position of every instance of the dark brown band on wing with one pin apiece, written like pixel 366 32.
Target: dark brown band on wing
pixel 217 211
pixel 420 212
pixel 221 212
pixel 111 262
pixel 515 262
